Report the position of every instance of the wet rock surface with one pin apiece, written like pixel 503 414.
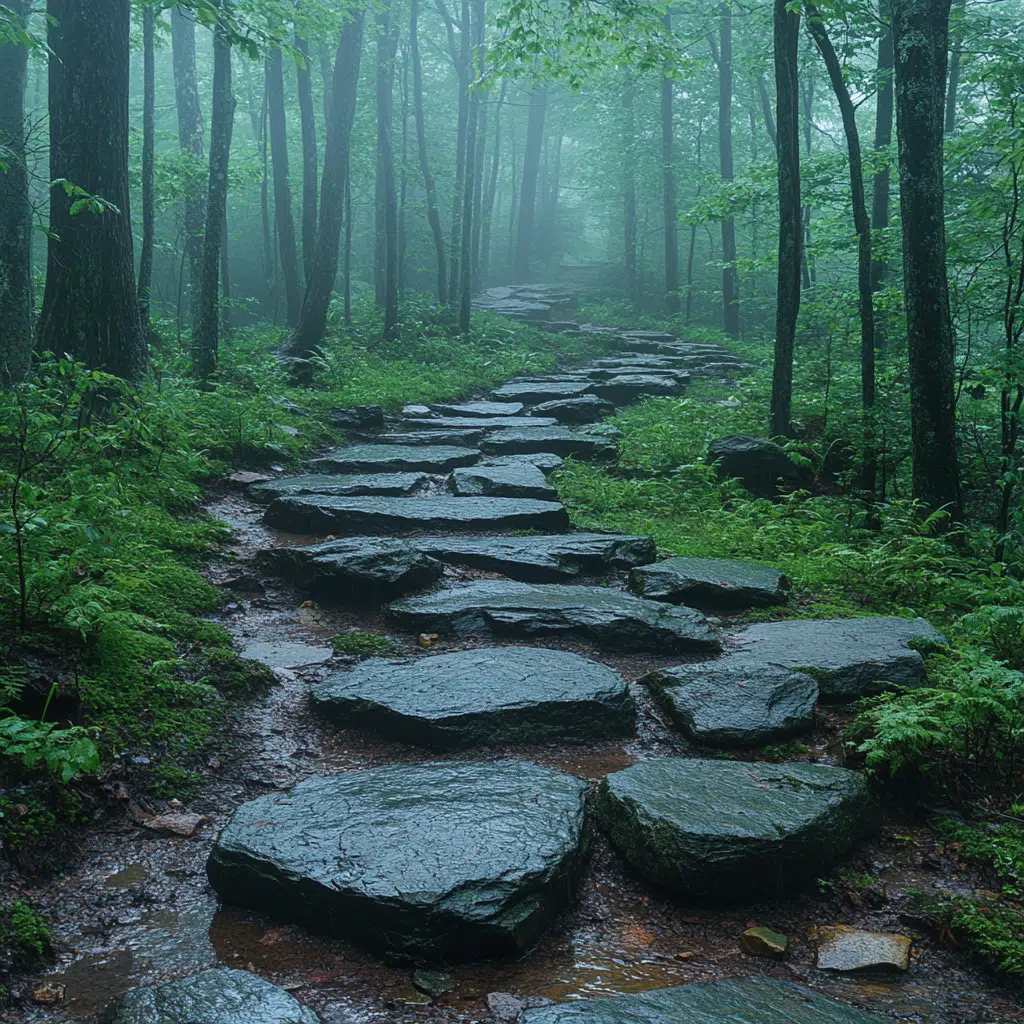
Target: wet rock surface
pixel 480 409
pixel 516 481
pixel 488 696
pixel 457 437
pixel 533 393
pixel 849 658
pixel 347 485
pixel 545 461
pixel 604 617
pixel 323 514
pixel 759 462
pixel 736 1001
pixel 210 997
pixel 846 949
pixel 586 409
pixel 556 440
pixel 710 583
pixel 721 705
pixel 383 458
pixel 454 859
pixel 718 830
pixel 358 417
pixel 626 388
pixel 476 424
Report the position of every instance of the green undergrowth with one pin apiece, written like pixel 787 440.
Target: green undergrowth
pixel 24 934
pixel 366 645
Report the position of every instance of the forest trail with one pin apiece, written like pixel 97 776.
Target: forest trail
pixel 492 788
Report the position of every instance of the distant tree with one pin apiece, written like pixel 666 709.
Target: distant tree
pixel 531 176
pixel 668 188
pixel 148 160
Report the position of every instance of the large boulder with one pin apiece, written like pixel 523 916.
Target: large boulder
pixel 605 617
pixel 718 704
pixel 556 440
pixel 585 409
pixel 849 658
pixel 481 697
pixel 710 583
pixel 322 514
pixel 391 485
pixel 386 458
pixel 732 1001
pixel 758 462
pixel 522 481
pixel 354 568
pixel 220 996
pixel 721 830
pixel 452 860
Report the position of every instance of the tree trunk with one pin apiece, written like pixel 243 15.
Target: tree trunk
pixel 205 329
pixel 472 164
pixel 730 275
pixel 190 140
pixel 787 146
pixel 403 179
pixel 309 156
pixel 480 160
pixel 269 296
pixel 460 56
pixel 862 225
pixel 766 107
pixel 693 227
pixel 386 262
pixel 668 188
pixel 528 190
pixel 809 270
pixel 90 306
pixel 148 154
pixel 429 186
pixel 629 192
pixel 313 322
pixel 954 67
pixel 15 213
pixel 880 182
pixel 287 249
pixel 492 192
pixel 921 41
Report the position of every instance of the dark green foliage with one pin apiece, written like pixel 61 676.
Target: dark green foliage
pixel 24 931
pixel 366 645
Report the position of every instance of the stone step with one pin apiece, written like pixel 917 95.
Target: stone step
pixel 323 514
pixel 627 388
pixel 717 583
pixel 386 458
pixel 486 696
pixel 556 440
pixel 483 410
pixel 607 618
pixel 532 394
pixel 547 462
pixel 451 860
pixel 471 423
pixel 755 1000
pixel 457 437
pixel 585 409
pixel 350 485
pixel 522 481
pixel 724 830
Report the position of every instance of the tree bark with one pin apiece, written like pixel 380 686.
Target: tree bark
pixel 15 213
pixel 668 188
pixel 90 305
pixel 429 185
pixel 862 225
pixel 954 69
pixel 730 275
pixel 766 107
pixel 474 22
pixel 309 156
pixel 921 43
pixel 492 192
pixel 206 328
pixel 386 261
pixel 880 184
pixel 629 192
pixel 148 154
pixel 403 175
pixel 786 27
pixel 313 322
pixel 190 139
pixel 528 189
pixel 287 248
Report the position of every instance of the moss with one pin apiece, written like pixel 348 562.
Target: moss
pixel 235 676
pixel 366 645
pixel 34 819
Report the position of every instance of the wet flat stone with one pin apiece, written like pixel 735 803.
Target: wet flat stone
pixel 585 409
pixel 220 996
pixel 543 559
pixel 556 440
pixel 605 617
pixel 469 423
pixel 723 829
pixel 481 697
pixel 522 481
pixel 648 363
pixel 450 860
pixel 732 1001
pixel 385 458
pixel 849 658
pixel 710 582
pixel 286 653
pixel 392 485
pixel 354 567
pixel 845 949
pixel 721 705
pixel 323 514
pixel 547 462
pixel 478 409
pixel 631 387
pixel 532 393
pixel 456 438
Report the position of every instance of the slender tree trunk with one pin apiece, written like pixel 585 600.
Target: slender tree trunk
pixel 148 154
pixel 190 139
pixel 269 276
pixel 862 225
pixel 492 192
pixel 809 270
pixel 205 330
pixel 225 282
pixel 730 275
pixel 309 156
pixel 531 175
pixel 287 249
pixel 479 170
pixel 668 187
pixel 460 57
pixel 386 262
pixel 15 213
pixel 429 186
pixel 323 56
pixel 766 107
pixel 629 191
pixel 313 322
pixel 921 42
pixel 693 227
pixel 403 180
pixel 90 305
pixel 472 183
pixel 787 91
pixel 880 182
pixel 954 66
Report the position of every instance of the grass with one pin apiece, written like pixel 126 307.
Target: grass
pixel 366 645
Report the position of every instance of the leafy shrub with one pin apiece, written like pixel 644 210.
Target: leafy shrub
pixel 24 930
